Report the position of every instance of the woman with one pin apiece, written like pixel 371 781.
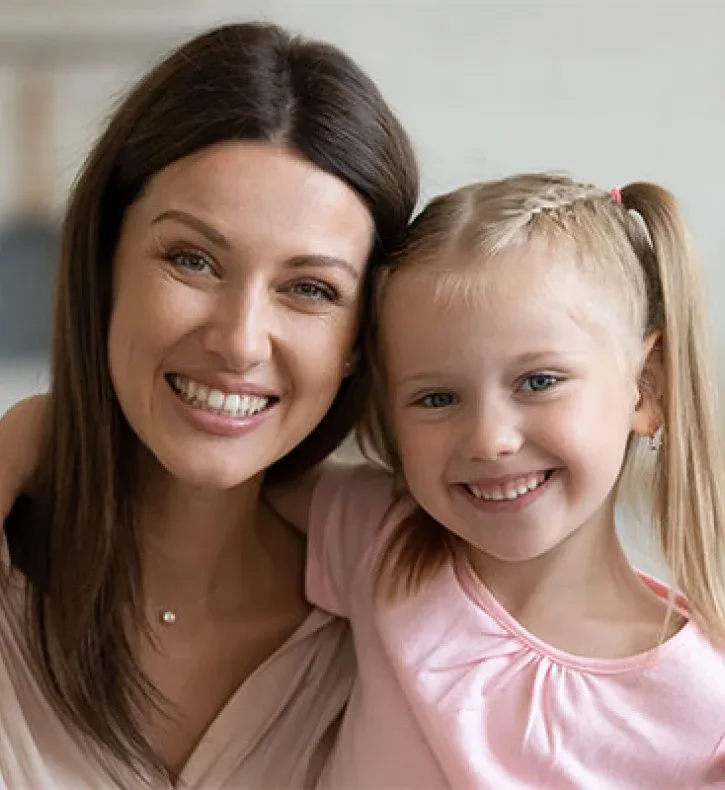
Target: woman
pixel 214 273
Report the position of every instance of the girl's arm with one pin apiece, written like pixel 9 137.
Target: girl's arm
pixel 21 429
pixel 20 439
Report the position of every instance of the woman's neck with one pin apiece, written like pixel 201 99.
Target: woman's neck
pixel 208 553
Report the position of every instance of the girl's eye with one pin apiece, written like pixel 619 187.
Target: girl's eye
pixel 539 382
pixel 189 262
pixel 437 400
pixel 314 291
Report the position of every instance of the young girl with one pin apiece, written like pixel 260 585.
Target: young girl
pixel 536 339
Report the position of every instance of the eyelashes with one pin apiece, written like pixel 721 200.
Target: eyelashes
pixel 193 263
pixel 188 261
pixel 436 400
pixel 316 291
pixel 539 382
pixel 530 385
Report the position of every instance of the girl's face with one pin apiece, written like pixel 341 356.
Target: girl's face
pixel 237 294
pixel 513 394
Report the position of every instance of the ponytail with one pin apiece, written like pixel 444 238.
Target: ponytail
pixel 688 497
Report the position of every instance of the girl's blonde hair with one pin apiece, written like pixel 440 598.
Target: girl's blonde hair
pixel 633 240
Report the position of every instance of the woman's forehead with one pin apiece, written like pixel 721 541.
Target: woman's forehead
pixel 265 191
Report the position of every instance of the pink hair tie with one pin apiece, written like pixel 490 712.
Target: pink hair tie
pixel 616 195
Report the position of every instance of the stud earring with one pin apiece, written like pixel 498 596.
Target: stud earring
pixel 655 441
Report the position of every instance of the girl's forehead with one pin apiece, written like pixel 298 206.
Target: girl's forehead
pixel 516 274
pixel 531 289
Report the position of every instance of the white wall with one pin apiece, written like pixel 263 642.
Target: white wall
pixel 612 90
pixel 609 89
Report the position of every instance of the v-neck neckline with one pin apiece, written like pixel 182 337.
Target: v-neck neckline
pixel 209 749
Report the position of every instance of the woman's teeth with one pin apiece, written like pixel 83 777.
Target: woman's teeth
pixel 231 404
pixel 511 490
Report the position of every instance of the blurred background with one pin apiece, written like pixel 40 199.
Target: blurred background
pixel 610 90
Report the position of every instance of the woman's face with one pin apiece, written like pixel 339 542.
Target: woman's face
pixel 237 295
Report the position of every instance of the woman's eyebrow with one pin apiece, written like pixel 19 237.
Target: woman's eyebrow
pixel 214 236
pixel 325 261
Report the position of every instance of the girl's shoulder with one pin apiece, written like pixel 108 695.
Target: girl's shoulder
pixel 354 490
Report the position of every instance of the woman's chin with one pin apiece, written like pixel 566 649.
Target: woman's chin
pixel 212 471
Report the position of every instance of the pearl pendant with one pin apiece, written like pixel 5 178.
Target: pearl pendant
pixel 168 617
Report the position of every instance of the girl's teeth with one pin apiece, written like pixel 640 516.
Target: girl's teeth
pixel 511 492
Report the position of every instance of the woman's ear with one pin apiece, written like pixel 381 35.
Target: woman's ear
pixel 350 363
pixel 648 414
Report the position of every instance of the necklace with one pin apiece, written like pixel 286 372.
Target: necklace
pixel 167 617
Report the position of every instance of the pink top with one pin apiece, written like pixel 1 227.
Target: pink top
pixel 275 732
pixel 453 692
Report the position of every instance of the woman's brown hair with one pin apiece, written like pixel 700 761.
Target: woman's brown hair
pixel 77 544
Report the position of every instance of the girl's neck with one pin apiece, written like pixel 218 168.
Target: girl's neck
pixel 583 597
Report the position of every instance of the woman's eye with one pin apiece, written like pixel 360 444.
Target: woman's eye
pixel 315 292
pixel 189 262
pixel 539 382
pixel 437 400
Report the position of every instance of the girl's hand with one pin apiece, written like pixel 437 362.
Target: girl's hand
pixel 21 433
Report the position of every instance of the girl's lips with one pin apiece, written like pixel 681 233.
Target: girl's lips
pixel 499 499
pixel 506 487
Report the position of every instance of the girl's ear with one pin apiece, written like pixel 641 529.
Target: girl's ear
pixel 649 411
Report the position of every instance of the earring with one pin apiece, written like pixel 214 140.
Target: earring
pixel 347 367
pixel 655 441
